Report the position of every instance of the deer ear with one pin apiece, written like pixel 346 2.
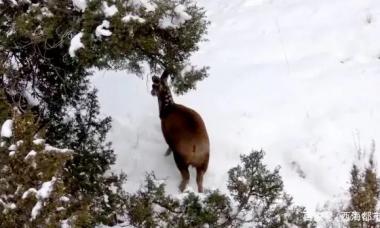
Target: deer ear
pixel 155 79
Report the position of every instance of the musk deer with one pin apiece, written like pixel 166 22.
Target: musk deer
pixel 184 132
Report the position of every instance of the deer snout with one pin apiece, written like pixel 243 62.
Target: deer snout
pixel 156 79
pixel 155 89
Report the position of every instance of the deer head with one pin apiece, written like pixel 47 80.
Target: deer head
pixel 161 89
pixel 160 85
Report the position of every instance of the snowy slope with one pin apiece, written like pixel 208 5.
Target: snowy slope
pixel 297 78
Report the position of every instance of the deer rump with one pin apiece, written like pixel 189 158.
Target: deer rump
pixel 185 133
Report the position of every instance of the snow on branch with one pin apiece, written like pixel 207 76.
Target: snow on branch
pixel 80 5
pixel 12 147
pixel 30 96
pixel 174 21
pixel 6 129
pixel 64 199
pixel 30 155
pixel 38 141
pixel 7 206
pixel 49 148
pixel 65 224
pixel 109 11
pixel 14 2
pixel 75 44
pixel 42 194
pixel 130 17
pixel 28 192
pixel 46 189
pixel 148 5
pixel 36 210
pixel 102 30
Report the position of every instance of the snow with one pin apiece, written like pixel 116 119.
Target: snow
pixel 42 194
pixel 64 199
pixel 298 79
pixel 46 12
pixel 130 17
pixel 181 14
pixel 65 224
pixel 12 206
pixel 6 129
pixel 148 5
pixel 50 148
pixel 102 30
pixel 120 225
pixel 36 210
pixel 81 5
pixel 31 154
pixel 174 22
pixel 106 198
pixel 38 141
pixel 46 189
pixel 242 179
pixel 7 206
pixel 30 96
pixel 109 11
pixel 12 147
pixel 19 143
pixel 75 44
pixel 28 192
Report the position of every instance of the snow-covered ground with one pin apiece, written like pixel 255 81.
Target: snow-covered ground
pixel 297 78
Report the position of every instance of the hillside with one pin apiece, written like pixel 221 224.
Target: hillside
pixel 298 79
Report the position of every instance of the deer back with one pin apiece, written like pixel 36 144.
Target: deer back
pixel 186 134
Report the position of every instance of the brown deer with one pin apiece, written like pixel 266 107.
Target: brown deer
pixel 184 131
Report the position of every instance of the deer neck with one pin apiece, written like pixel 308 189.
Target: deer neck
pixel 165 102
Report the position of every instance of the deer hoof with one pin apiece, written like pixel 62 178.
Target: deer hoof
pixel 182 186
pixel 168 152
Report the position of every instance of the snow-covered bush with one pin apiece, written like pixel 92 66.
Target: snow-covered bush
pixel 48 51
pixel 365 192
pixel 32 191
pixel 359 207
pixel 256 198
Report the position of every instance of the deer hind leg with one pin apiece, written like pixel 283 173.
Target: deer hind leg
pixel 184 169
pixel 201 170
pixel 200 173
pixel 185 178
